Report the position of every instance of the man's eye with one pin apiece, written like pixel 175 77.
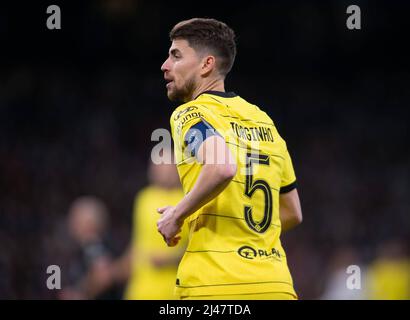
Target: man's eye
pixel 176 55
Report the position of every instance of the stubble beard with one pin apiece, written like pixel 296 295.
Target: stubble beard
pixel 185 93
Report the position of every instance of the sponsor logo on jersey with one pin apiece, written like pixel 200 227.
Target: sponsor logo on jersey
pixel 187 119
pixel 182 112
pixel 250 253
pixel 247 252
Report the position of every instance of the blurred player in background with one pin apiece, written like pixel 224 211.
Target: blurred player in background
pixel 87 271
pixel 236 172
pixel 152 264
pixel 388 276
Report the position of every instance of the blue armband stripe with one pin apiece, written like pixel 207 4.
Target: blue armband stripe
pixel 197 134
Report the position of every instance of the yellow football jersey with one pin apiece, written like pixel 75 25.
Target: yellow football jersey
pixel 389 279
pixel 148 281
pixel 234 244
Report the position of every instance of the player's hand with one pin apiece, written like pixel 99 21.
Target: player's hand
pixel 169 226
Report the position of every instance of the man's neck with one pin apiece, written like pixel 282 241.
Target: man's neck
pixel 214 85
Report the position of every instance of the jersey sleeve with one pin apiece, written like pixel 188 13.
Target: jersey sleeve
pixel 190 127
pixel 288 182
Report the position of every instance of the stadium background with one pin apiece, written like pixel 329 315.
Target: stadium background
pixel 78 105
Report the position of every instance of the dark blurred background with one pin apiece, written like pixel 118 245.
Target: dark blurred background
pixel 78 106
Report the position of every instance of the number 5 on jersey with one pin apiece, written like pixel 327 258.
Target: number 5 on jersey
pixel 251 186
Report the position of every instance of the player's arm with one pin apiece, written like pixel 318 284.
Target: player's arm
pixel 290 211
pixel 219 167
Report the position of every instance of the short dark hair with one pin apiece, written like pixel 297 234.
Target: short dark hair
pixel 209 34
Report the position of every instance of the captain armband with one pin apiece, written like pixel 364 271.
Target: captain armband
pixel 197 134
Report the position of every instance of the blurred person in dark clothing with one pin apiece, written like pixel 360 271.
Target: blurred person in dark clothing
pixel 88 271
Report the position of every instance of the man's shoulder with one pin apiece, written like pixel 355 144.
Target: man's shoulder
pixel 184 109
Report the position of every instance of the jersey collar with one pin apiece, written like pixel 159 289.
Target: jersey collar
pixel 219 94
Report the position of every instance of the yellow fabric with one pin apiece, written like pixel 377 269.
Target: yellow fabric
pixel 229 251
pixel 254 296
pixel 389 279
pixel 146 280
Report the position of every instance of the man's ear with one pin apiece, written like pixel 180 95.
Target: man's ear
pixel 208 64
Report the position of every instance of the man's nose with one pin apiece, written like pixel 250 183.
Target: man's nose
pixel 165 66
